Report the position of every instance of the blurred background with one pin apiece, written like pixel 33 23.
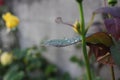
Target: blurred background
pixel 37 23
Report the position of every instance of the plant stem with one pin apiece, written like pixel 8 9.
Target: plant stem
pixel 112 3
pixel 82 28
pixel 112 72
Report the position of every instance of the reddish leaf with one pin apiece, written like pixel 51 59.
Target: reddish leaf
pixel 113 27
pixel 100 38
pixel 106 59
pixel 113 11
pixel 100 44
pixel 101 52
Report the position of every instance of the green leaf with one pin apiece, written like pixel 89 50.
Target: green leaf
pixel 66 76
pixel 63 42
pixel 19 54
pixel 50 69
pixel 18 75
pixel 14 74
pixel 100 37
pixel 115 52
pixel 80 62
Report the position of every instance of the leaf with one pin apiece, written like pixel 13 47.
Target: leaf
pixel 101 53
pixel 101 38
pixel 18 75
pixel 100 44
pixel 14 74
pixel 19 54
pixel 66 76
pixel 62 42
pixel 113 27
pixel 80 62
pixel 115 52
pixel 113 11
pixel 50 69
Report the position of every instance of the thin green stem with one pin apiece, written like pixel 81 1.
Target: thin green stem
pixel 112 3
pixel 112 72
pixel 82 29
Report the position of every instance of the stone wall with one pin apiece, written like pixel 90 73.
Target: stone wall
pixel 37 21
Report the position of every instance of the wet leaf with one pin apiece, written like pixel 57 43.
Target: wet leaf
pixel 101 38
pixel 113 11
pixel 63 42
pixel 113 27
pixel 115 52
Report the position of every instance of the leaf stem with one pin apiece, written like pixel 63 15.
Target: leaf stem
pixel 82 29
pixel 112 72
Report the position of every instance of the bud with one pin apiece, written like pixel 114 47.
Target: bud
pixel 76 27
pixel 112 2
pixel 6 58
pixel 79 1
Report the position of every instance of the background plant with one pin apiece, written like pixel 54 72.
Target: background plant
pixel 29 64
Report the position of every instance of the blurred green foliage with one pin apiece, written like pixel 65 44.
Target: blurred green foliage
pixel 29 64
pixel 81 64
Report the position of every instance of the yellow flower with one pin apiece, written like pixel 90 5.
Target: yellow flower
pixel 6 58
pixel 76 27
pixel 11 21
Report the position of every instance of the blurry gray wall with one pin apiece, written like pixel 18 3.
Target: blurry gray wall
pixel 37 21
